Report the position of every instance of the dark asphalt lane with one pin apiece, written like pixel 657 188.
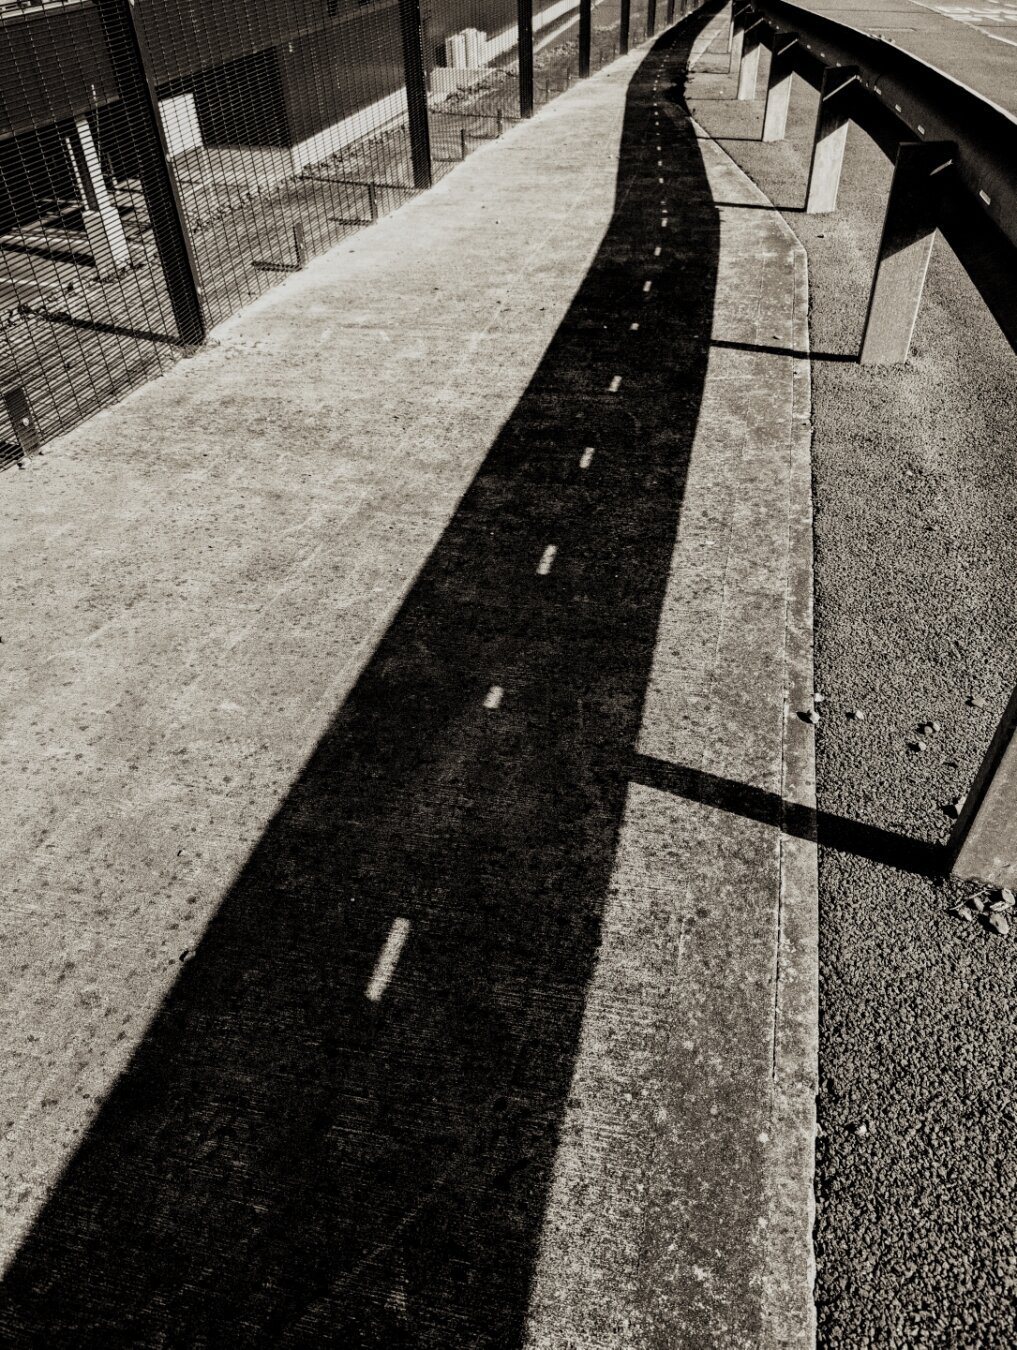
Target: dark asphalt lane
pixel 916 497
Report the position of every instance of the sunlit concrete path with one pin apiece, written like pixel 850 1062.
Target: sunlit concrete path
pixel 401 942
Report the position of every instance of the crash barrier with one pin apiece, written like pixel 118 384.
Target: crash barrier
pixel 955 172
pixel 161 163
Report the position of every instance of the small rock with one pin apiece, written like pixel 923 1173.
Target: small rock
pixel 918 746
pixel 811 716
pixel 962 912
pixel 936 726
pixel 818 698
pixel 954 808
pixel 976 701
pixel 861 1130
pixel 858 714
pixel 977 904
pixel 999 924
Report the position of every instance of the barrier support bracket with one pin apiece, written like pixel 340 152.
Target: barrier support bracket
pixel 830 138
pixel 748 64
pixel 778 85
pixel 905 247
pixel 984 840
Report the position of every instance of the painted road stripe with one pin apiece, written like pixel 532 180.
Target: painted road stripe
pixel 615 384
pixel 389 959
pixel 546 560
pixel 587 458
pixel 493 699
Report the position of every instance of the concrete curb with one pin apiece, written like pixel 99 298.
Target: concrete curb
pixel 788 1295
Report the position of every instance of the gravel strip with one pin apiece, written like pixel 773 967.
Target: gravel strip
pixel 915 498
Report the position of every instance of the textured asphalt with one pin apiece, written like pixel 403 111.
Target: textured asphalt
pixel 915 498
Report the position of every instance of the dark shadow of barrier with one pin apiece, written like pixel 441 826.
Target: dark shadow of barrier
pixel 803 822
pixel 286 1162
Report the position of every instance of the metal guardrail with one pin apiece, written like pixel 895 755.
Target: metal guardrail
pixel 956 155
pixel 955 172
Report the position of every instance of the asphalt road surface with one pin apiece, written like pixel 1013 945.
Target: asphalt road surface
pixel 915 501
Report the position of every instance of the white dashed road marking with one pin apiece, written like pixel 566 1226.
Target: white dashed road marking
pixel 388 959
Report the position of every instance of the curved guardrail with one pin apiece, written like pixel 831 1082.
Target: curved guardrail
pixel 955 151
pixel 956 172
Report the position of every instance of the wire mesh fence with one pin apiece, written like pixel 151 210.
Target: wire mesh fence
pixel 162 163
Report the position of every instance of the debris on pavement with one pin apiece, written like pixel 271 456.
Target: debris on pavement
pixel 993 913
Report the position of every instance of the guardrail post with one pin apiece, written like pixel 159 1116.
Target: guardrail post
pixel 416 92
pixel 626 22
pixel 125 45
pixel 739 21
pixel 524 19
pixel 651 18
pixel 830 138
pixel 748 65
pixel 984 840
pixel 585 36
pixel 909 230
pixel 778 85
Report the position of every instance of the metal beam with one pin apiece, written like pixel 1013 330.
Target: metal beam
pixel 585 36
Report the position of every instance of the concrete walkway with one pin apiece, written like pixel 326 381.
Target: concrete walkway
pixel 402 944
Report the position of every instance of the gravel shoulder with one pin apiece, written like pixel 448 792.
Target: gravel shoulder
pixel 915 495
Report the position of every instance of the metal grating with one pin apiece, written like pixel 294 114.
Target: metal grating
pixel 164 162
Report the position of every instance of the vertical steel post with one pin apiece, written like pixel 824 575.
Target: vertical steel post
pixel 585 36
pixel 778 85
pixel 125 45
pixel 416 92
pixel 626 22
pixel 830 138
pixel 670 12
pixel 905 247
pixel 524 18
pixel 984 840
pixel 651 18
pixel 25 427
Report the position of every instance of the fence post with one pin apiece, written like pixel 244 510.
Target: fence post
pixel 126 49
pixel 25 427
pixel 524 19
pixel 585 36
pixel 651 18
pixel 626 22
pixel 984 840
pixel 830 138
pixel 416 93
pixel 778 85
pixel 905 247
